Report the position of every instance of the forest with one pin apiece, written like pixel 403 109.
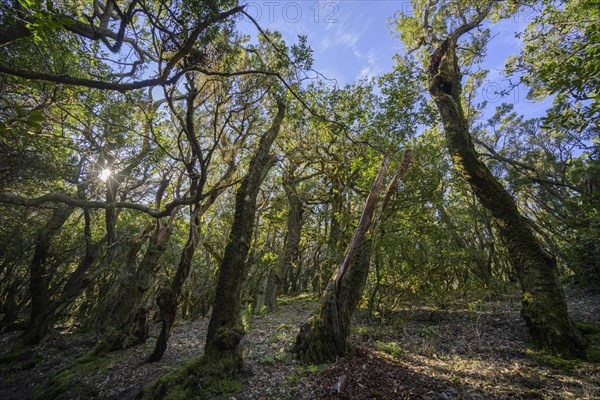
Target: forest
pixel 191 209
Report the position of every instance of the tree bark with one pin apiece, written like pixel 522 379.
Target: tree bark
pixel 122 309
pixel 167 300
pixel 38 273
pixel 291 250
pixel 225 329
pixel 544 308
pixel 324 336
pixel 335 239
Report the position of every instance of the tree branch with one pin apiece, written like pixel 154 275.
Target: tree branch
pixel 96 33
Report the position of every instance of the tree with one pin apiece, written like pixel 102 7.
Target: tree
pixel 544 308
pixel 560 61
pixel 225 330
pixel 324 336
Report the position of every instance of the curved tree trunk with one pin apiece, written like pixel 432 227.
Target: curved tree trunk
pixel 76 283
pixel 544 308
pixel 38 273
pixel 323 337
pixel 74 286
pixel 225 330
pixel 122 313
pixel 167 300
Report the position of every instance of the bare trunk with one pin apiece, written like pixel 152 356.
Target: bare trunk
pixel 324 336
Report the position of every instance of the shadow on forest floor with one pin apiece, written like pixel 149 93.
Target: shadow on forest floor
pixel 473 351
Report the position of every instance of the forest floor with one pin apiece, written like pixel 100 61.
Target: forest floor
pixel 468 350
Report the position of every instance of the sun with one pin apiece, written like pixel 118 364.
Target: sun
pixel 105 174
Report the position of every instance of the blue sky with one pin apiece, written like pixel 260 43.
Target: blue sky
pixel 353 39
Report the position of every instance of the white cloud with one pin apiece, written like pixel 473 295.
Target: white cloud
pixel 373 66
pixel 339 38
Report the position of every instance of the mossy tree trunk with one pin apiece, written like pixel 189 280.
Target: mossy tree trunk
pixel 324 336
pixel 291 249
pixel 38 271
pixel 74 286
pixel 198 170
pixel 122 312
pixel 335 239
pixel 10 307
pixel 544 308
pixel 225 329
pixel 167 299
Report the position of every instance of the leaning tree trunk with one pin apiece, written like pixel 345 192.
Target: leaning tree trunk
pixel 324 336
pixel 225 330
pixel 544 308
pixel 75 284
pixel 167 299
pixel 122 314
pixel 38 273
pixel 121 286
pixel 335 241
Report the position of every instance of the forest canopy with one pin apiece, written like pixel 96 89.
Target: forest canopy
pixel 172 160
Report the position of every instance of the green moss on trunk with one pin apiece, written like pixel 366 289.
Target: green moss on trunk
pixel 225 330
pixel 324 336
pixel 544 308
pixel 202 379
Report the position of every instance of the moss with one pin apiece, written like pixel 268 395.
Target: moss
pixel 563 364
pixel 593 354
pixel 312 343
pixel 65 379
pixel 588 328
pixel 390 348
pixel 285 327
pixel 56 387
pixel 283 337
pixel 247 317
pixel 591 332
pixel 198 380
pixel 302 298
